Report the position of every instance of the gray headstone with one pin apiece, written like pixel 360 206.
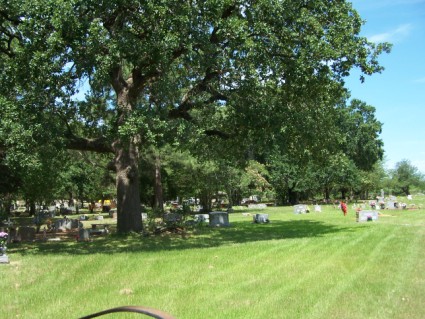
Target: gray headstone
pixel 391 205
pixel 172 217
pixel 4 259
pixel 219 219
pixel 26 233
pixel 60 224
pixel 112 211
pixel 261 218
pixel 13 235
pixel 83 234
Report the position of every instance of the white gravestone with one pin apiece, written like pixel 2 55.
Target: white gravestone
pixel 300 209
pixel 201 218
pixel 366 215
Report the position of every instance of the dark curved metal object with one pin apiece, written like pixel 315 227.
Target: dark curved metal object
pixel 158 314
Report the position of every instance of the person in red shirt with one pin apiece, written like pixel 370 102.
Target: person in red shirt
pixel 344 208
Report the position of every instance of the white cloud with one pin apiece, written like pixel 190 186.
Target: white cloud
pixel 421 80
pixel 392 36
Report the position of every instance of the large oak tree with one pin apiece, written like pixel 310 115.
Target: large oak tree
pixel 150 66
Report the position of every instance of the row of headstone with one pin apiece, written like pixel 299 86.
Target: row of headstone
pixel 23 233
pixel 303 209
pixel 214 219
pixel 66 224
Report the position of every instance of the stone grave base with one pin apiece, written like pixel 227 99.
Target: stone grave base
pixel 4 259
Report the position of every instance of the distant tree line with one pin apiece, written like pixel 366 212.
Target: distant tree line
pixel 171 174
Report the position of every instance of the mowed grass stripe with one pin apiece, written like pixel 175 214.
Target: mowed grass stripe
pixel 292 289
pixel 404 262
pixel 274 264
pixel 361 259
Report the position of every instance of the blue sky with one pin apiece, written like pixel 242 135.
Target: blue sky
pixel 398 93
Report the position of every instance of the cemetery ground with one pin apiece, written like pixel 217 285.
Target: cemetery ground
pixel 316 265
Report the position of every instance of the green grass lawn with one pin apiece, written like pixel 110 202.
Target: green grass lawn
pixel 317 265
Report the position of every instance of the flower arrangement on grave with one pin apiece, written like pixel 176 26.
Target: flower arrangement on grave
pixel 3 242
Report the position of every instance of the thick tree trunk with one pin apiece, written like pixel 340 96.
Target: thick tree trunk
pixel 327 193
pixel 406 190
pixel 230 198
pixel 205 198
pixel 159 199
pixel 343 193
pixel 292 196
pixel 32 208
pixel 129 216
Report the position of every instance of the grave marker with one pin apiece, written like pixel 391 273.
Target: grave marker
pixel 257 206
pixel 201 218
pixel 83 234
pixel 366 215
pixel 219 219
pixel 26 233
pixel 300 209
pixel 261 218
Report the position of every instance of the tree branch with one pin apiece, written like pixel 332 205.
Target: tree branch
pixel 14 20
pixel 218 133
pixel 182 111
pixel 117 80
pixel 98 145
pixel 73 142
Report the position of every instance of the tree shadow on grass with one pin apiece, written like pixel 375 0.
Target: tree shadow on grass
pixel 203 237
